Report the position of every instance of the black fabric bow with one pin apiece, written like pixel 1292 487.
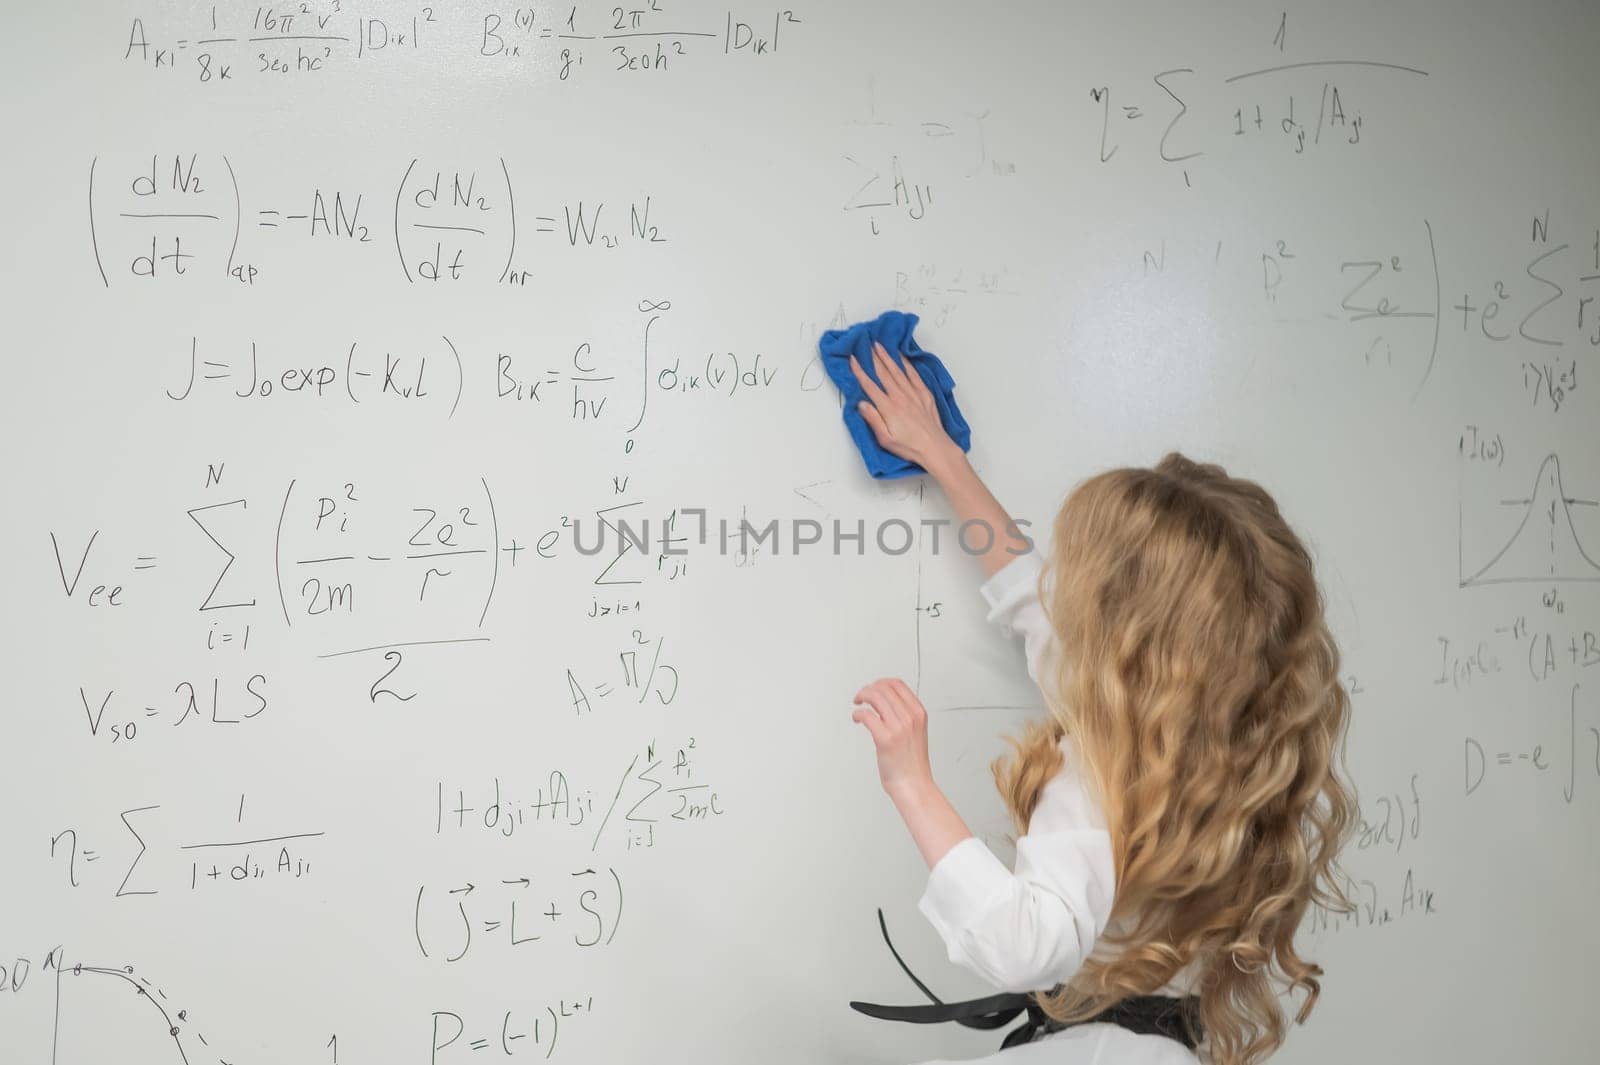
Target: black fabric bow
pixel 1161 1015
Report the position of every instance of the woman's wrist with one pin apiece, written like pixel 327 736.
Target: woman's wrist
pixel 915 794
pixel 934 825
pixel 947 464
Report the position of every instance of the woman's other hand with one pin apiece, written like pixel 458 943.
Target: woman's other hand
pixel 898 723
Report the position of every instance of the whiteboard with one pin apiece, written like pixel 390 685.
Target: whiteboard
pixel 338 331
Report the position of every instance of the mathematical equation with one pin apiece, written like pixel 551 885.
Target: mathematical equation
pixel 1181 117
pixel 644 39
pixel 307 39
pixel 330 548
pixel 585 911
pixel 165 219
pixel 1569 753
pixel 137 868
pixel 521 1032
pixel 1398 303
pixel 652 790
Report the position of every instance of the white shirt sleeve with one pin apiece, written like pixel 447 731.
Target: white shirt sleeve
pixel 1031 927
pixel 1013 598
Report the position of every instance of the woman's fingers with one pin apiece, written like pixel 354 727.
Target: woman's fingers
pixel 889 372
pixel 920 388
pixel 906 375
pixel 908 699
pixel 872 696
pixel 868 385
pixel 874 420
pixel 889 706
pixel 868 717
pixel 892 699
pixel 903 690
pixel 902 384
pixel 899 392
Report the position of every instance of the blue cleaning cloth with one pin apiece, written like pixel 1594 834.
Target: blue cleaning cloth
pixel 892 329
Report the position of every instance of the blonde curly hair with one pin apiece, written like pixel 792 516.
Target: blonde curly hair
pixel 1198 681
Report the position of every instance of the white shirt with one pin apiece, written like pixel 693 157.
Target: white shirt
pixel 1031 927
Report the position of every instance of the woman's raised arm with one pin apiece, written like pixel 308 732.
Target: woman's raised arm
pixel 901 413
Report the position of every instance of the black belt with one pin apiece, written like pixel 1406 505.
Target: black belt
pixel 1174 1018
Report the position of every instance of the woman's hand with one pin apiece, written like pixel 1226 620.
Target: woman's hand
pixel 900 411
pixel 899 726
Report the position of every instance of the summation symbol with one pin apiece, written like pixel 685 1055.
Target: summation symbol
pixel 194 516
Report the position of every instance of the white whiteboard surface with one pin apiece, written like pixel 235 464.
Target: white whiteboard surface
pixel 357 394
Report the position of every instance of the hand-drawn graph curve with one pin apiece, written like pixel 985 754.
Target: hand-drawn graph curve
pixel 100 1008
pixel 1546 545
